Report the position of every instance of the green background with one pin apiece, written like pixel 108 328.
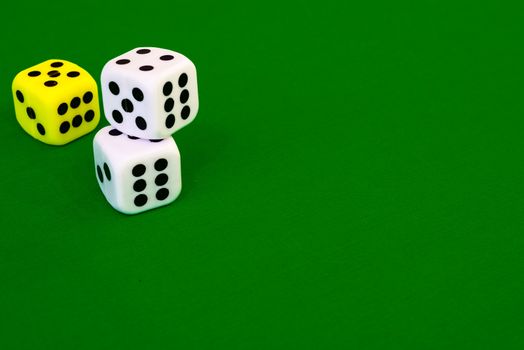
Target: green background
pixel 354 179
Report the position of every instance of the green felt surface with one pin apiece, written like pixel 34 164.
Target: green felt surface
pixel 354 179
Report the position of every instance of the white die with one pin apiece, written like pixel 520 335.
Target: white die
pixel 135 174
pixel 149 92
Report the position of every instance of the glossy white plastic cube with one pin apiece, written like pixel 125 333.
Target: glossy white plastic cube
pixel 149 92
pixel 135 174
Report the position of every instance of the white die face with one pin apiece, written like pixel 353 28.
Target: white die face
pixel 149 92
pixel 134 174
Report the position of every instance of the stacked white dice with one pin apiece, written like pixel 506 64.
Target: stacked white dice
pixel 148 94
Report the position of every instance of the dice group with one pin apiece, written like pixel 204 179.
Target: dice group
pixel 148 94
pixel 56 101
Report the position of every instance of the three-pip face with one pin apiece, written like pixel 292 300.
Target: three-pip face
pixel 149 92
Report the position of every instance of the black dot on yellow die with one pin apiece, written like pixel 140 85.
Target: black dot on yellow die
pixel 75 102
pixel 88 97
pixel 57 64
pixel 30 113
pixel 41 129
pixel 53 73
pixel 50 83
pixel 19 96
pixel 162 194
pixel 143 51
pixel 77 121
pixel 182 80
pixel 73 74
pixel 123 61
pixel 140 200
pixel 113 87
pixel 170 121
pixel 33 73
pixel 90 115
pixel 146 68
pixel 107 172
pixel 99 173
pixel 62 109
pixel 64 127
pixel 185 112
pixel 167 57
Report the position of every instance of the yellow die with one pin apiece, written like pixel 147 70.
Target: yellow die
pixel 56 101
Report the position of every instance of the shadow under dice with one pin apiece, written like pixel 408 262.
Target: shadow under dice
pixel 135 174
pixel 149 92
pixel 56 101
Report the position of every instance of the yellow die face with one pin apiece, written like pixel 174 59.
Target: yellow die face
pixel 56 101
